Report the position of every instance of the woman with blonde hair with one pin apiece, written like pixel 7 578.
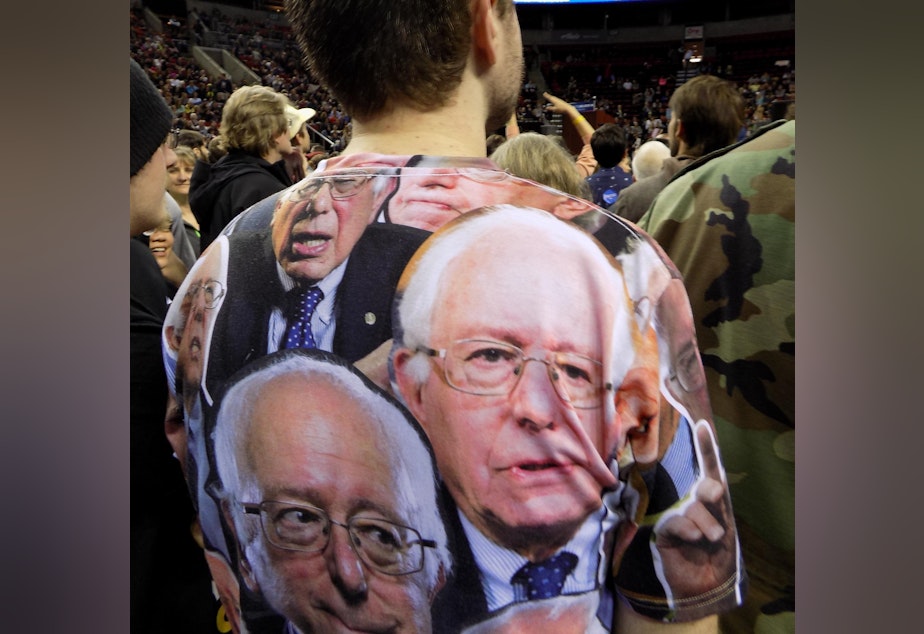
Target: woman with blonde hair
pixel 542 159
pixel 178 176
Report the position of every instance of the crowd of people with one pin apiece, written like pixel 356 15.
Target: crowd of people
pixel 636 97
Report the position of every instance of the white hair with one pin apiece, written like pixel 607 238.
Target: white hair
pixel 646 278
pixel 420 287
pixel 648 158
pixel 411 459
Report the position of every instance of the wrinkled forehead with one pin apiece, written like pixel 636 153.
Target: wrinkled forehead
pixel 539 282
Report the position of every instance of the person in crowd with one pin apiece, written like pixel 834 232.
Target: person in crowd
pixel 540 158
pixel 160 241
pixel 730 223
pixel 331 492
pixel 297 162
pixel 256 131
pixel 170 586
pixel 195 141
pixel 647 159
pixel 182 243
pixel 494 141
pixel 706 114
pixel 217 148
pixel 525 453
pixel 611 151
pixel 179 174
pixel 586 163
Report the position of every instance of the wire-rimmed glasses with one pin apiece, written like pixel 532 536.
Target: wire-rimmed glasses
pixel 485 367
pixel 390 548
pixel 342 185
pixel 212 291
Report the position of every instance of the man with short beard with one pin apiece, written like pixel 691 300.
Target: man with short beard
pixel 706 114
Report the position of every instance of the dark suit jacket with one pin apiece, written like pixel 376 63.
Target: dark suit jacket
pixel 253 290
pixel 461 602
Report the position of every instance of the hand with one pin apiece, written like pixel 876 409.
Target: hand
pixel 698 543
pixel 557 104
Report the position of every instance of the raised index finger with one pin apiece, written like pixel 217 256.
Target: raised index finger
pixel 706 450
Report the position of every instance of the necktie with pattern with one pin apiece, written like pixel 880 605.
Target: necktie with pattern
pixel 545 579
pixel 303 302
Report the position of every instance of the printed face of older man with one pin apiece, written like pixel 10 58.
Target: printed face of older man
pixel 521 463
pixel 188 329
pixel 428 198
pixel 317 224
pixel 313 455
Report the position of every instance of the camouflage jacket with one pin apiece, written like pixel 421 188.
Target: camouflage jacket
pixel 728 222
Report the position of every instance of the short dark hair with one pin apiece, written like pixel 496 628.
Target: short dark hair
pixel 608 144
pixel 712 112
pixel 370 53
pixel 190 139
pixel 493 142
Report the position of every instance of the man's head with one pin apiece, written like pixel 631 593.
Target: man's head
pixel 217 148
pixel 316 224
pixel 331 492
pixel 608 144
pixel 160 240
pixel 706 114
pixel 298 132
pixel 513 331
pixel 193 140
pixel 648 158
pixel 254 120
pixel 150 123
pixel 410 52
pixel 179 172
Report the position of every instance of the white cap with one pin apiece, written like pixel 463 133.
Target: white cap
pixel 295 118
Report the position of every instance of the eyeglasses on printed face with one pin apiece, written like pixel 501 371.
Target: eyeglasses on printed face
pixel 390 548
pixel 212 291
pixel 491 368
pixel 685 370
pixel 342 186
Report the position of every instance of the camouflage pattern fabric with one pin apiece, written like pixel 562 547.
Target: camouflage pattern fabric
pixel 728 222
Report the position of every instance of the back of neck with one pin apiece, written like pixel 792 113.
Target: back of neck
pixel 456 129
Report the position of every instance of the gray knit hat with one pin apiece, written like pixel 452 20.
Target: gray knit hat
pixel 151 118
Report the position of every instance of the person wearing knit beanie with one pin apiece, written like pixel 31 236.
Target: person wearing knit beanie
pixel 170 585
pixel 151 120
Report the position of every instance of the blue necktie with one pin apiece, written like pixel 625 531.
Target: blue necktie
pixel 545 579
pixel 303 303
